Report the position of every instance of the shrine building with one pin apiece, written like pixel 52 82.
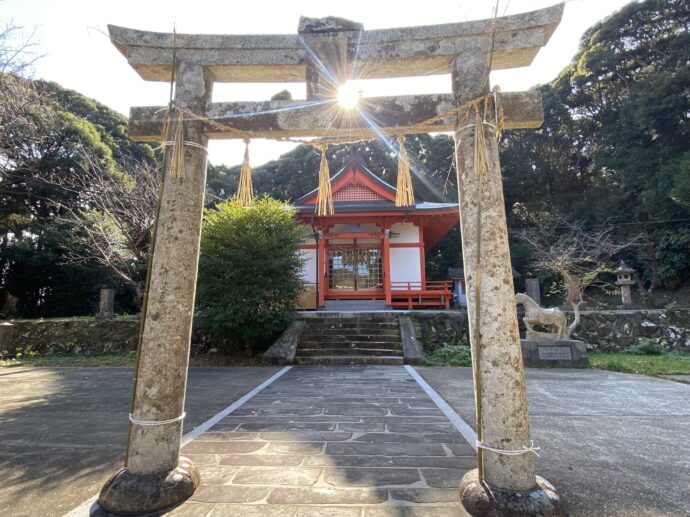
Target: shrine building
pixel 369 248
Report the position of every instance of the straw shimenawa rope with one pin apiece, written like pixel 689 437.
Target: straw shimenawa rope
pixel 461 111
pixel 245 191
pixel 324 196
pixel 177 160
pixel 405 193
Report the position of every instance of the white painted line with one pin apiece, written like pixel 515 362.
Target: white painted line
pixel 84 509
pixel 463 427
pixel 191 435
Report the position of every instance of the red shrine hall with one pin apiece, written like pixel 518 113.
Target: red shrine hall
pixel 370 249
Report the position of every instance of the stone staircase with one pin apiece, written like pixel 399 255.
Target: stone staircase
pixel 357 339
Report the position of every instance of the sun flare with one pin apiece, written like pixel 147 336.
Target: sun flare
pixel 348 95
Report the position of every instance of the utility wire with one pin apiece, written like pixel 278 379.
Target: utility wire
pixel 610 225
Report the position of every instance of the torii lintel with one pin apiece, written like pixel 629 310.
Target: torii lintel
pixel 373 117
pixel 512 40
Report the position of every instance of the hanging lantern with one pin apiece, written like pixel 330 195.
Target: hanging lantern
pixel 405 193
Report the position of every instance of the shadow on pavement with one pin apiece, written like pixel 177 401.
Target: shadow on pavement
pixel 63 430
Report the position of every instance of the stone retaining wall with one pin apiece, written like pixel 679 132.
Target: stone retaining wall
pixel 438 328
pixel 72 335
pixel 612 331
pixel 608 331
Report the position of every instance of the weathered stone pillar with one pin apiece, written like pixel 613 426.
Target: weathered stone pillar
pixel 106 305
pixel 154 475
pixel 510 486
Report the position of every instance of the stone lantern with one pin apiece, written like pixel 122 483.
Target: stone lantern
pixel 624 278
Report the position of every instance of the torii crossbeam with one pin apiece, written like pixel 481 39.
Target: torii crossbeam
pixel 325 53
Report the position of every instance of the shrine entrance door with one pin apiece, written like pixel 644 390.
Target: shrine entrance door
pixel 355 272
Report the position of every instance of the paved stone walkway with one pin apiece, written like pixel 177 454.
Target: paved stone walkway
pixel 336 441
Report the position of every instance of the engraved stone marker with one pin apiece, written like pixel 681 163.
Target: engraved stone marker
pixel 555 353
pixel 533 289
pixel 106 305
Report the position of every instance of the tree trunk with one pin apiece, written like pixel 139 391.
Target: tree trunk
pixel 576 321
pixel 139 290
pixel 574 289
pixel 652 252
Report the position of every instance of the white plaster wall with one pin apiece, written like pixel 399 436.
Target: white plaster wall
pixel 308 273
pixel 405 266
pixel 408 232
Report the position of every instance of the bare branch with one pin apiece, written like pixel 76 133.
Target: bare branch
pixel 112 218
pixel 17 50
pixel 577 255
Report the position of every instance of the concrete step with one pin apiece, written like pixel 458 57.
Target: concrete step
pixel 353 324
pixel 303 352
pixel 350 359
pixel 350 340
pixel 354 336
pixel 357 331
pixel 315 343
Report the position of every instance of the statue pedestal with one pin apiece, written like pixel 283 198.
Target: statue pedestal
pixel 535 335
pixel 564 353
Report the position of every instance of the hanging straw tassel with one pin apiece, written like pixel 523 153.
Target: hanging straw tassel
pixel 177 162
pixel 405 194
pixel 324 197
pixel 245 191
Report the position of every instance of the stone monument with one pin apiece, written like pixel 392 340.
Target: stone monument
pixel 106 305
pixel 533 289
pixel 6 338
pixel 552 348
pixel 324 54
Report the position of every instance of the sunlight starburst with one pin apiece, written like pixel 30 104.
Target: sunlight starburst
pixel 348 95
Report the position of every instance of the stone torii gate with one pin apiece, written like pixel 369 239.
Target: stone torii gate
pixel 325 53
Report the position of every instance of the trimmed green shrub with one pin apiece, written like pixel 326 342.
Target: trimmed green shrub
pixel 248 273
pixel 450 355
pixel 644 347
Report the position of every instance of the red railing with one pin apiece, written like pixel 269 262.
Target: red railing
pixel 417 294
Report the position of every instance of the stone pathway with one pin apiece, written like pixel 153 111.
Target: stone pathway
pixel 335 441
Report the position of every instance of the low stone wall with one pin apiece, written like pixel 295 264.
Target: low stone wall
pixel 612 331
pixel 74 335
pixel 608 331
pixel 438 328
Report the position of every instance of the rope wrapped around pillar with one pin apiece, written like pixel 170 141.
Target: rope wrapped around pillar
pixel 177 160
pixel 405 193
pixel 245 191
pixel 324 197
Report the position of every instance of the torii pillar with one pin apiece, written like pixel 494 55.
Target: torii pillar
pixel 154 475
pixel 509 486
